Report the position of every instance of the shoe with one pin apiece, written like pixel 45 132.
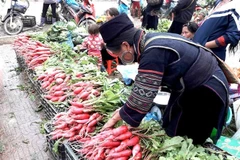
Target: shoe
pixel 42 22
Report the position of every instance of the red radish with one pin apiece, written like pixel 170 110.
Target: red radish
pixel 133 141
pixel 124 136
pixel 81 116
pixel 57 136
pixel 89 89
pixel 84 95
pixel 58 88
pixel 60 75
pixel 54 99
pixel 79 75
pixel 100 155
pixel 95 92
pixel 55 72
pixel 41 77
pixel 122 158
pixel 94 116
pixel 76 137
pixel 110 144
pixel 76 128
pixel 61 126
pixel 82 121
pixel 56 132
pixel 90 129
pixel 45 84
pixel 76 104
pixel 58 93
pixel 67 79
pixel 124 153
pixel 51 79
pixel 59 80
pixel 62 98
pixel 92 123
pixel 75 110
pixel 78 90
pixel 41 49
pixel 58 115
pixel 78 84
pixel 83 130
pixel 120 130
pixel 68 134
pixel 48 97
pixel 46 78
pixel 85 139
pixel 136 149
pixel 138 156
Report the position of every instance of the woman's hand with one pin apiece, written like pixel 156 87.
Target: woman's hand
pixel 112 121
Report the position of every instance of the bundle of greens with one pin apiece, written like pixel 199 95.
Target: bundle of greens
pixel 157 145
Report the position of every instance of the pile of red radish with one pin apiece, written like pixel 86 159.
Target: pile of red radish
pixel 117 144
pixel 74 124
pixel 82 91
pixel 34 52
pixel 54 83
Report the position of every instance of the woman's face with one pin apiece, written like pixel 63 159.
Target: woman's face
pixel 186 33
pixel 126 54
pixel 108 16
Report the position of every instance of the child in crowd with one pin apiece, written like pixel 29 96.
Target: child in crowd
pixel 93 43
pixel 189 30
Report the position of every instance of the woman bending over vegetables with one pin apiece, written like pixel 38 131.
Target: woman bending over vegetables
pixel 199 92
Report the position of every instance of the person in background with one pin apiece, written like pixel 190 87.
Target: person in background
pixel 196 105
pixel 123 7
pixel 200 18
pixel 221 28
pixel 189 29
pixel 182 13
pixel 136 6
pixel 93 43
pixel 46 4
pixel 111 13
pixel 74 5
pixel 150 18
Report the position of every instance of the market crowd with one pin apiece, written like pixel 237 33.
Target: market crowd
pixel 185 60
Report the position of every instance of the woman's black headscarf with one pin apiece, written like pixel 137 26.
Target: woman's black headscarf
pixel 117 30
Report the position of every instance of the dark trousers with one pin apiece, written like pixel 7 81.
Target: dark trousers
pixel 45 8
pixel 201 110
pixel 176 27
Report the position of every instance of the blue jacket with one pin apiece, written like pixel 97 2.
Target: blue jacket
pixel 223 26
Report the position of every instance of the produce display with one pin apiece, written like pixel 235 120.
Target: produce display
pixel 73 81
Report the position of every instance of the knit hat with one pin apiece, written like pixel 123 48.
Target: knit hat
pixel 113 28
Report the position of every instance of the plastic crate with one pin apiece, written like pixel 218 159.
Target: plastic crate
pixel 29 21
pixel 61 154
pixel 71 151
pixel 49 109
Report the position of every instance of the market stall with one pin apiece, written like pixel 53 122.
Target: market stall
pixel 78 99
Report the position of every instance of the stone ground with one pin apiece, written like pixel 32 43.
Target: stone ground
pixel 20 123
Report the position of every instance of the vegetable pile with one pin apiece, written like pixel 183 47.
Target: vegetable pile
pixel 118 143
pixel 33 52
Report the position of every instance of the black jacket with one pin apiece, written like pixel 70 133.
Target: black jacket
pixel 184 10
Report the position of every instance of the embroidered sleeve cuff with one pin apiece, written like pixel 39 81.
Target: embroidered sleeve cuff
pixel 134 120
